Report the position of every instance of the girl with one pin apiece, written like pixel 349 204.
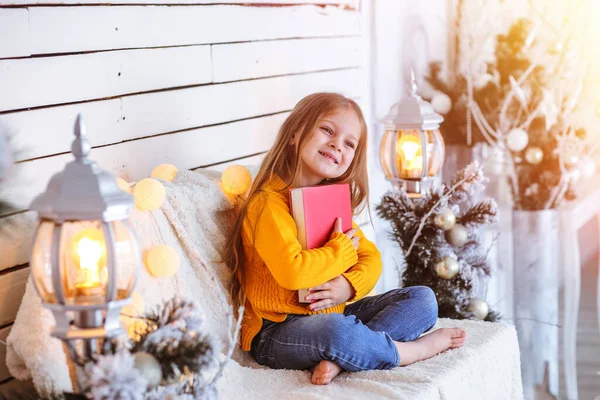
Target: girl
pixel 322 141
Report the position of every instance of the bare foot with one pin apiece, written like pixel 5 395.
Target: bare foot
pixel 324 372
pixel 429 345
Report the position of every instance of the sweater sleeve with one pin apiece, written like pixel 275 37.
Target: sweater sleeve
pixel 271 230
pixel 364 275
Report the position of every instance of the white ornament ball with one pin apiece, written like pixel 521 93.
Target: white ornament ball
pixel 534 155
pixel 149 194
pixel 457 236
pixel 149 368
pixel 124 186
pixel 445 219
pixel 166 172
pixel 447 268
pixel 588 168
pixel 517 139
pixel 441 103
pixel 162 261
pixel 479 308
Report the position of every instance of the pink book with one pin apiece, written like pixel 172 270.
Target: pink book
pixel 315 210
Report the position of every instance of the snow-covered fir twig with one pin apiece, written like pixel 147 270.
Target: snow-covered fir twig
pixel 444 198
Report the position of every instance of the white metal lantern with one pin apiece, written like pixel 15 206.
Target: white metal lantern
pixel 412 149
pixel 85 258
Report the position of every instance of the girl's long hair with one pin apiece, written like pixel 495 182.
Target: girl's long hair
pixel 282 159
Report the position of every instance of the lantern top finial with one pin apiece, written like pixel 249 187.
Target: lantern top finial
pixel 412 112
pixel 81 146
pixel 83 191
pixel 413 83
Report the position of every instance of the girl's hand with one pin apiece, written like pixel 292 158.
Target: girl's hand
pixel 331 293
pixel 352 233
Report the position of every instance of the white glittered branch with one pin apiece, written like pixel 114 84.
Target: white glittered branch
pixel 443 197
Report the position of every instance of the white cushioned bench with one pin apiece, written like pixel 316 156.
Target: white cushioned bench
pixel 195 219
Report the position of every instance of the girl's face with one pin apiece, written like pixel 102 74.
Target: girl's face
pixel 330 149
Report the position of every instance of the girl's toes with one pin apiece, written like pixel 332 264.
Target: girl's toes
pixel 458 333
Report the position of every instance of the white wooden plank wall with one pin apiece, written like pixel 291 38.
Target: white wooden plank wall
pixel 4 374
pixel 198 84
pixel 353 4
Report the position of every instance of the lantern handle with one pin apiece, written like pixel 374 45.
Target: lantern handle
pixel 81 146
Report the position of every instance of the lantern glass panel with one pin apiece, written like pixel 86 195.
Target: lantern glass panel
pixel 409 154
pixel 386 153
pixel 126 259
pixel 435 151
pixel 41 262
pixel 83 259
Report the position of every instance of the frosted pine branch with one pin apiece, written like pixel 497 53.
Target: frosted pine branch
pixel 483 213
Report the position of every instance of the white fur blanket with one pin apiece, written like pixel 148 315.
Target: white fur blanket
pixel 195 219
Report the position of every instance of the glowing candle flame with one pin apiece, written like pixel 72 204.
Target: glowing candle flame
pixel 88 253
pixel 409 150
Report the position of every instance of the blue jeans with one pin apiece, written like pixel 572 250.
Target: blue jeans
pixel 360 339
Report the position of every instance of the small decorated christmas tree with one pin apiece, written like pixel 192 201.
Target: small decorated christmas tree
pixel 440 235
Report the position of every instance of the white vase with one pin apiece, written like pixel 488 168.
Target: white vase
pixel 457 157
pixel 536 296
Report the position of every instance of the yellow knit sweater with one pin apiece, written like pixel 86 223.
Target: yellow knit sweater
pixel 276 266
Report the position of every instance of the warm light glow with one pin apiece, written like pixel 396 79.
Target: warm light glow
pixel 164 171
pixel 162 261
pixel 236 179
pixel 149 194
pixel 409 149
pixel 88 252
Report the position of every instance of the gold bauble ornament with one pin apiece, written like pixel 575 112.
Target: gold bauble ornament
pixel 124 186
pixel 570 148
pixel 166 172
pixel 478 307
pixel 445 219
pixel 236 179
pixel 162 261
pixel 517 139
pixel 447 268
pixel 457 236
pixel 149 194
pixel 534 155
pixel 149 368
